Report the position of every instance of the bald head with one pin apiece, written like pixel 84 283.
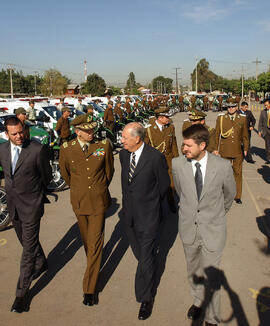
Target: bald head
pixel 132 136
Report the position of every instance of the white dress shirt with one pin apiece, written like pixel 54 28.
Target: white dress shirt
pixel 159 126
pixel 203 163
pixel 138 153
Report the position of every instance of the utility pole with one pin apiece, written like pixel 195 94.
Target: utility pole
pixel 10 67
pixel 85 71
pixel 196 75
pixel 257 62
pixel 35 79
pixel 242 83
pixel 176 81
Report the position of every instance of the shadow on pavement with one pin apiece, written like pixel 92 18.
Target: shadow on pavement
pixel 264 171
pixel 168 231
pixel 263 223
pixel 258 152
pixel 112 209
pixel 58 258
pixel 112 254
pixel 263 306
pixel 215 278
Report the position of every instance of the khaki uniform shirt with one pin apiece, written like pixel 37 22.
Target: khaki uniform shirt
pixel 88 175
pixel 230 135
pixel 108 115
pixel 63 127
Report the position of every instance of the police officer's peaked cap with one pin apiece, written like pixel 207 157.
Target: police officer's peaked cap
pixel 230 103
pixel 64 109
pixel 20 110
pixel 163 110
pixel 195 114
pixel 89 107
pixel 84 122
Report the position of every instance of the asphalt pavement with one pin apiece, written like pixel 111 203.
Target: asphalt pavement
pixel 56 297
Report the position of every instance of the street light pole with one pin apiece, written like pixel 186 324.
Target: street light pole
pixel 196 76
pixel 11 81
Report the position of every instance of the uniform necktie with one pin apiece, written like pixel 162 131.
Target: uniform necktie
pixel 198 179
pixel 85 149
pixel 132 167
pixel 15 158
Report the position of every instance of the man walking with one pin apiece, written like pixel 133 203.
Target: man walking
pixel 250 120
pixel 206 188
pixel 264 128
pixel 87 167
pixel 145 183
pixel 27 173
pixel 62 127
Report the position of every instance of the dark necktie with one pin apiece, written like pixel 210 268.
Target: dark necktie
pixel 15 158
pixel 85 149
pixel 132 167
pixel 198 179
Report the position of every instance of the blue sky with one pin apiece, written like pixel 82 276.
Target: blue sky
pixel 148 37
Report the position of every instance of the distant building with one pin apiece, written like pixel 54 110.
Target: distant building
pixel 143 90
pixel 73 89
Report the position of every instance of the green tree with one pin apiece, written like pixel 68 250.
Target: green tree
pixel 131 86
pixel 94 85
pixel 206 79
pixel 115 90
pixel 264 82
pixel 54 83
pixel 162 84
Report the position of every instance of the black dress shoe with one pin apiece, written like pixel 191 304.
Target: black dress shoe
pixel 43 269
pixel 19 305
pixel 209 324
pixel 145 310
pixel 90 299
pixel 194 312
pixel 238 201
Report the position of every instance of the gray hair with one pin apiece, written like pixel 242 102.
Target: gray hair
pixel 136 130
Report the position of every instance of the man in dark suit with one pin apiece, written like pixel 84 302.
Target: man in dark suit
pixel 264 128
pixel 27 173
pixel 145 183
pixel 250 119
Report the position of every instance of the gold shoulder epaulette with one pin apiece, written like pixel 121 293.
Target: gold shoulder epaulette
pixel 186 120
pixel 65 144
pixel 73 143
pixel 221 114
pixel 242 115
pixel 210 128
pixel 104 141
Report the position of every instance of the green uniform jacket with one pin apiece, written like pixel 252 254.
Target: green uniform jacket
pixel 230 146
pixel 88 175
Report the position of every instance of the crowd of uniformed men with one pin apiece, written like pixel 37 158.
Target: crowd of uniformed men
pixel 88 167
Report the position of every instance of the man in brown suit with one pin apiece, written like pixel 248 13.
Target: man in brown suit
pixel 127 106
pixel 108 116
pixel 118 113
pixel 62 126
pixel 231 134
pixel 198 117
pixel 87 167
pixel 161 136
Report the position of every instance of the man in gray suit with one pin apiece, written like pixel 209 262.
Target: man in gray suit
pixel 27 172
pixel 206 188
pixel 264 128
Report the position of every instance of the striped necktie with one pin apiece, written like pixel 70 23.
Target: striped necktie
pixel 132 167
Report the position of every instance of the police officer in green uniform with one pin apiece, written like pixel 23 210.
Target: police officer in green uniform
pixel 87 166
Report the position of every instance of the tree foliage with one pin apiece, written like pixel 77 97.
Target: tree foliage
pixel 162 84
pixel 54 83
pixel 94 85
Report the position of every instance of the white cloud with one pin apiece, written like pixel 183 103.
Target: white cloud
pixel 205 13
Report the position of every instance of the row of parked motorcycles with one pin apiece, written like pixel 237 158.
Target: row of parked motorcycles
pixel 52 142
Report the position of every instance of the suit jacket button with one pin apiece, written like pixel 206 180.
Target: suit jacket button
pixel 195 223
pixel 198 211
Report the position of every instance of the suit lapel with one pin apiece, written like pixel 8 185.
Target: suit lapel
pixel 141 162
pixel 209 174
pixel 7 158
pixel 190 176
pixel 24 153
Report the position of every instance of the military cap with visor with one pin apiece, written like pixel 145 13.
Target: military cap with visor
pixel 195 114
pixel 84 122
pixel 163 110
pixel 20 110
